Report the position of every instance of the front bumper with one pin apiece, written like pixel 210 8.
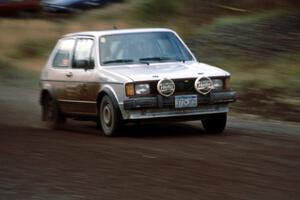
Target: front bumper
pixel 159 107
pixel 169 102
pixel 187 114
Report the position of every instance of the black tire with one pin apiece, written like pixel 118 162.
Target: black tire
pixel 109 117
pixel 52 114
pixel 215 123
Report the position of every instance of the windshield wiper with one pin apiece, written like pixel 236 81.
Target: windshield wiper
pixel 155 59
pixel 118 61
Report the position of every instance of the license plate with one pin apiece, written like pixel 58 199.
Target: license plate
pixel 186 101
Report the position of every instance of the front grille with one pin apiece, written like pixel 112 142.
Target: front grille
pixel 182 86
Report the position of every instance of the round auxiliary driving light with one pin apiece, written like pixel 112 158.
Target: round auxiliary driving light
pixel 166 87
pixel 204 85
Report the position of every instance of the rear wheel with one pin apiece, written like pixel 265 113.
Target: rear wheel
pixel 108 117
pixel 215 123
pixel 52 114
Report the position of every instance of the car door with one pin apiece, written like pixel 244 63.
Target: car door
pixel 82 85
pixel 59 69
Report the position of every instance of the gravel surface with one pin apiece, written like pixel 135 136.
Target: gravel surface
pixel 251 160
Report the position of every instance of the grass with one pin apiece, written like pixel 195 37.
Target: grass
pixel 252 51
pixel 153 11
pixel 266 88
pixel 280 74
pixel 262 52
pixel 239 20
pixel 17 76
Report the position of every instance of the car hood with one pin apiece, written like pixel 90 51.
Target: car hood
pixel 157 71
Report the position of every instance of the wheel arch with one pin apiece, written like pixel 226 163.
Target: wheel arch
pixel 44 94
pixel 110 94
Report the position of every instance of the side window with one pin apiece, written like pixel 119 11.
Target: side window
pixel 62 57
pixel 83 56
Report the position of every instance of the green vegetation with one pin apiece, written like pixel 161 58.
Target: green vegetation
pixel 262 51
pixel 157 10
pixel 33 48
pixel 257 41
pixel 14 75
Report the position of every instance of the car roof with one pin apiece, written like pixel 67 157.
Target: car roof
pixel 117 31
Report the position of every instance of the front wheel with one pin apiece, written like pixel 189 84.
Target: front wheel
pixel 108 117
pixel 215 123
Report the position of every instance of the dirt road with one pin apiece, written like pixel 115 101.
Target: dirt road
pixel 251 160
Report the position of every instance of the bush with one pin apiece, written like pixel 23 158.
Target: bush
pixel 157 10
pixel 33 48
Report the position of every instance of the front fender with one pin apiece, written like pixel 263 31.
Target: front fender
pixel 109 91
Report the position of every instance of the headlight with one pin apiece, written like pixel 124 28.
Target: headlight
pixel 141 89
pixel 218 84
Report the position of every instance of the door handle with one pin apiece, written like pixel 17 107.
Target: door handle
pixel 69 74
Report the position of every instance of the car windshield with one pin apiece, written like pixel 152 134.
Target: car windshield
pixel 145 47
